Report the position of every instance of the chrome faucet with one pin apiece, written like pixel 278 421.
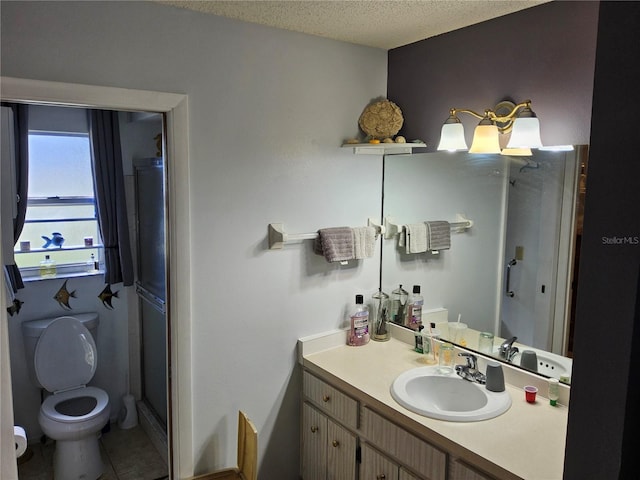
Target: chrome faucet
pixel 507 350
pixel 470 370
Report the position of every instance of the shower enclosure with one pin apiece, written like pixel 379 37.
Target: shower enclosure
pixel 151 285
pixel 539 243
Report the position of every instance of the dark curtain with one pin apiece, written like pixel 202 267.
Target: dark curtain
pixel 21 142
pixel 108 179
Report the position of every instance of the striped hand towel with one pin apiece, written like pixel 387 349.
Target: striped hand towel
pixel 335 243
pixel 439 235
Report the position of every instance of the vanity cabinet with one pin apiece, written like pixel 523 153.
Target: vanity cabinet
pixel 343 440
pixel 376 466
pixel 337 431
pixel 328 449
pixel 411 451
pixel 460 471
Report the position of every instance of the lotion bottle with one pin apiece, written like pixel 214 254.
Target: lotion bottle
pixel 359 323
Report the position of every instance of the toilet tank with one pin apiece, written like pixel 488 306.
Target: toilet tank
pixel 32 329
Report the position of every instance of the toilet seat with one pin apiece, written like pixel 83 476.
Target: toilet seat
pixel 48 407
pixel 66 356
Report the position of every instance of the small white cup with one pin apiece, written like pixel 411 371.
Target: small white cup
pixel 457 333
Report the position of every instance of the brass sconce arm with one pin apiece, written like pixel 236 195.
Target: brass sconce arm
pixel 502 115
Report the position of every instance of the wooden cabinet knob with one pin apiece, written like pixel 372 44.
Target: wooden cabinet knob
pixel 382 476
pixel 335 443
pixel 326 398
pixel 314 429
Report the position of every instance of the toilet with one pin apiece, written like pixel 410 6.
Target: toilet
pixel 62 358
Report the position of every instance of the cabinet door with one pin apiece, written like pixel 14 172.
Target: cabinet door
pixel 461 471
pixel 341 455
pixel 375 466
pixel 314 444
pixel 404 475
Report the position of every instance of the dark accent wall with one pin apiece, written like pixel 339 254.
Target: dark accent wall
pixel 604 409
pixel 545 54
pixel 566 57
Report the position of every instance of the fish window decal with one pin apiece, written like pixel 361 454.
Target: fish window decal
pixel 63 295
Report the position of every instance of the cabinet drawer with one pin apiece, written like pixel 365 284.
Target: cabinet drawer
pixel 338 405
pixel 408 449
pixel 461 471
pixel 404 475
pixel 375 466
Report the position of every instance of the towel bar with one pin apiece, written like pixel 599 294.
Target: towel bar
pixel 278 237
pixel 391 228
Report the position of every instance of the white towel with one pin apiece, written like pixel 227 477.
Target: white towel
pixel 364 242
pixel 439 235
pixel 416 238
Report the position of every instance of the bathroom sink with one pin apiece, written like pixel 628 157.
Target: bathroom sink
pixel 447 397
pixel 549 364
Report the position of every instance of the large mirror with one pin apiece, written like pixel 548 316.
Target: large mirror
pixel 512 273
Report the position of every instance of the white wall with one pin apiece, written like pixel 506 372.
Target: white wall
pixel 268 111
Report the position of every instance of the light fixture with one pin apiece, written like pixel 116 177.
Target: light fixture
pixel 485 137
pixel 504 118
pixel 452 134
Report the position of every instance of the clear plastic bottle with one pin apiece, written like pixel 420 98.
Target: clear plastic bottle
pixel 554 391
pixel 47 267
pixel 92 264
pixel 359 320
pixel 380 316
pixel 398 302
pixel 414 309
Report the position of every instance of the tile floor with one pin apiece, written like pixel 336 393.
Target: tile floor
pixel 127 455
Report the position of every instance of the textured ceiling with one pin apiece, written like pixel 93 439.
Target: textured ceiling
pixel 383 24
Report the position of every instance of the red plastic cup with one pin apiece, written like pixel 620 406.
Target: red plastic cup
pixel 530 393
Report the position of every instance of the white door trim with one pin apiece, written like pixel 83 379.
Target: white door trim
pixel 176 108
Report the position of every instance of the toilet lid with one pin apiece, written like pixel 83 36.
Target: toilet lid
pixel 66 355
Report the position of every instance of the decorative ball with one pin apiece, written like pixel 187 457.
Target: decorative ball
pixel 381 119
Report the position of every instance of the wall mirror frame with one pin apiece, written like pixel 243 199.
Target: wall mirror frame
pixel 527 225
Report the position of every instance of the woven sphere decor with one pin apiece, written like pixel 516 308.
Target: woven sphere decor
pixel 381 119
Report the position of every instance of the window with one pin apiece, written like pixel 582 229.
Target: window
pixel 61 200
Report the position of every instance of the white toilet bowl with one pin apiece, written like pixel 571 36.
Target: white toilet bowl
pixel 65 361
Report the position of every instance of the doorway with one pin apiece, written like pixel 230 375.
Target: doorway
pixel 174 106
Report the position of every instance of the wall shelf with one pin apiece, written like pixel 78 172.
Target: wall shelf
pixel 383 148
pixel 56 249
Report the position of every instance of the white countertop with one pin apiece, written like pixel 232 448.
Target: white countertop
pixel 526 442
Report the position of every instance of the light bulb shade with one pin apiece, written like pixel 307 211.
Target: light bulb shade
pixel 485 140
pixel 525 133
pixel 452 137
pixel 517 152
